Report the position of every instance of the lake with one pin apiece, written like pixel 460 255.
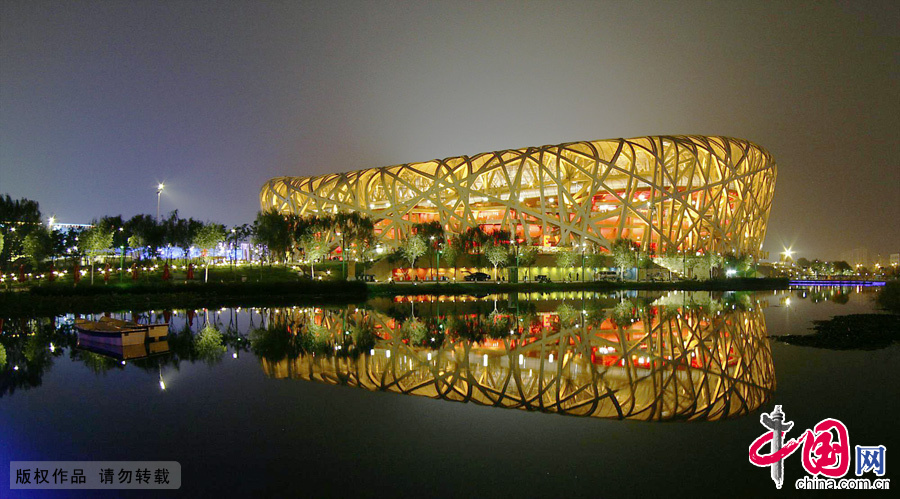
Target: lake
pixel 531 395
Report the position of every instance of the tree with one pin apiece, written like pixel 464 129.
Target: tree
pixel 235 236
pixel 18 218
pixel 842 267
pixel 527 256
pixel 427 230
pixel 117 226
pixel 311 234
pixel 314 245
pixel 273 231
pixel 598 260
pixel 709 261
pixel 23 211
pixel 147 233
pixel 565 258
pixel 58 243
pixel 179 232
pixel 497 254
pixel 38 245
pixel 206 239
pixel 740 264
pixel 819 267
pixel 451 252
pixel 94 241
pixel 354 229
pixel 690 262
pixel 413 248
pixel 433 235
pixel 136 243
pixel 625 255
pixel 474 239
pixel 72 240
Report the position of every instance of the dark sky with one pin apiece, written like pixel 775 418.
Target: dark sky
pixel 99 101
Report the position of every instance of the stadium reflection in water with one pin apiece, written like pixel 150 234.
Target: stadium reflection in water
pixel 676 357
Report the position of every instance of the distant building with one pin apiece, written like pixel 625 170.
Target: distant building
pixel 856 256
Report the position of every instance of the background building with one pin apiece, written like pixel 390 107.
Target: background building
pixel 856 257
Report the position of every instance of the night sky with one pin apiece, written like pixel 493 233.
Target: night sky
pixel 100 101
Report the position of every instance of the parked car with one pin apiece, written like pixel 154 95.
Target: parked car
pixel 477 276
pixel 606 275
pixel 542 278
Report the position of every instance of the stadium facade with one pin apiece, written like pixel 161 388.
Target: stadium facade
pixel 667 193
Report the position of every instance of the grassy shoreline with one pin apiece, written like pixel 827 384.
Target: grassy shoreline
pixel 61 299
pixel 56 300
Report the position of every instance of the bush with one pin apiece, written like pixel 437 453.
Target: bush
pixel 889 297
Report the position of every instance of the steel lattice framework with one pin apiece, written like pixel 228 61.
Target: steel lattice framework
pixel 691 365
pixel 665 192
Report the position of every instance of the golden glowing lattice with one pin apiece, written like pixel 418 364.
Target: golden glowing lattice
pixel 665 192
pixel 690 365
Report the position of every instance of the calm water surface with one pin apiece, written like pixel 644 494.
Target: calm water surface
pixel 632 394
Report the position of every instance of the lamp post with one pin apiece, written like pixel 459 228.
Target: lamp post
pixel 434 247
pixel 516 249
pixel 343 254
pixel 583 247
pixel 787 253
pixel 50 221
pixel 438 266
pixel 159 189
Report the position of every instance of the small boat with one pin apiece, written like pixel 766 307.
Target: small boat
pixel 122 352
pixel 154 331
pixel 110 333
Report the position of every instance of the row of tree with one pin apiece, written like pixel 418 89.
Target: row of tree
pixel 818 267
pixel 24 238
pixel 284 238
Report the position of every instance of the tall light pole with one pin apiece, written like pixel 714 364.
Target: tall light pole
pixel 434 248
pixel 159 189
pixel 583 247
pixel 437 268
pixel 516 249
pixel 787 253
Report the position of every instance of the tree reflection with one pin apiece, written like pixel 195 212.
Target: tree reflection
pixel 29 348
pixel 209 345
pixel 96 362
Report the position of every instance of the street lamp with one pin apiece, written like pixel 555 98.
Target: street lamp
pixel 434 247
pixel 516 249
pixel 583 247
pixel 159 189
pixel 788 252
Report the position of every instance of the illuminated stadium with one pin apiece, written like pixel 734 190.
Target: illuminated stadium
pixel 667 193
